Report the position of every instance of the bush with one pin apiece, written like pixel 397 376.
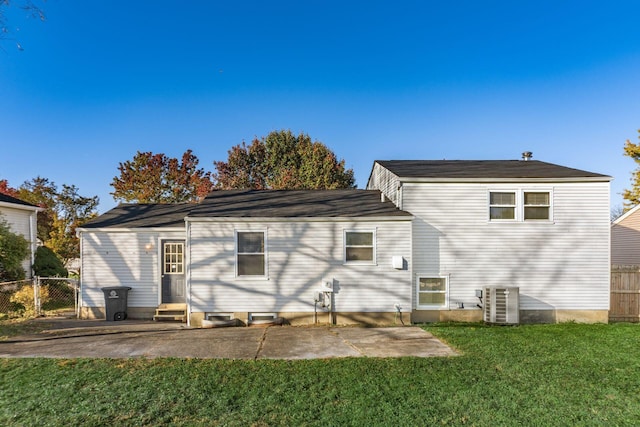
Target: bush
pixel 24 302
pixel 47 264
pixel 13 250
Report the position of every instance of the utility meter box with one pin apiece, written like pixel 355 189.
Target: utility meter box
pixel 327 286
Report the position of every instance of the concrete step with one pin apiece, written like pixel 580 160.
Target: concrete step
pixel 170 317
pixel 171 312
pixel 173 306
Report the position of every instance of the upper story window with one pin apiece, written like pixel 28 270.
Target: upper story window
pixel 520 205
pixel 359 246
pixel 536 205
pixel 502 205
pixel 250 253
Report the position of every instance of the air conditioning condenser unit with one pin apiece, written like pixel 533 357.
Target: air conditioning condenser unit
pixel 502 305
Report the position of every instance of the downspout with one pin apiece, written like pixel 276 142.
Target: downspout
pixel 33 219
pixel 187 259
pixel 79 285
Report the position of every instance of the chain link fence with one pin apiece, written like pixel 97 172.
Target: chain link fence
pixel 40 296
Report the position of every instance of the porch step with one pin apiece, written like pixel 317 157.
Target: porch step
pixel 171 312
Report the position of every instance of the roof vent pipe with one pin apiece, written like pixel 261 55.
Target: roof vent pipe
pixel 383 198
pixel 527 155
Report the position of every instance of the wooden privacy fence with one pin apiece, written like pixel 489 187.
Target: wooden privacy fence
pixel 625 293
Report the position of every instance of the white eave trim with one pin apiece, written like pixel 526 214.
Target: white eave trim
pixel 301 219
pixel 506 180
pixel 130 230
pixel 22 207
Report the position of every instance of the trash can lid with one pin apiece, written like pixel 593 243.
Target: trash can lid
pixel 116 288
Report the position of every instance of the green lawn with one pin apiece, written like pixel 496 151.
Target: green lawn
pixel 543 375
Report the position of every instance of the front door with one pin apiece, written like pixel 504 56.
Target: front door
pixel 173 275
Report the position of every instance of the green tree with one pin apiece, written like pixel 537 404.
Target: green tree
pixel 63 211
pixel 282 160
pixel 14 249
pixel 156 178
pixel 632 196
pixel 48 264
pixel 41 192
pixel 72 210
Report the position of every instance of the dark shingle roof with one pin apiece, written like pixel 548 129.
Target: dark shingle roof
pixel 251 204
pixel 295 204
pixel 142 215
pixel 8 199
pixel 483 169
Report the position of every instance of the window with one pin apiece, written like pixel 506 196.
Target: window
pixel 173 258
pixel 536 206
pixel 359 246
pixel 432 291
pixel 519 205
pixel 250 253
pixel 502 205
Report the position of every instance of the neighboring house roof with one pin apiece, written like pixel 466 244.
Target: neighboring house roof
pixel 9 200
pixel 295 204
pixel 485 170
pixel 142 215
pixel 626 214
pixel 252 204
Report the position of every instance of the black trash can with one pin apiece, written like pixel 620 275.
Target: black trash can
pixel 115 302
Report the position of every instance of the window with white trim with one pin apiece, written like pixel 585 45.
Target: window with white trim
pixel 432 292
pixel 502 205
pixel 536 206
pixel 359 246
pixel 521 205
pixel 250 253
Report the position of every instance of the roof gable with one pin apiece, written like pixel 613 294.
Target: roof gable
pixel 485 169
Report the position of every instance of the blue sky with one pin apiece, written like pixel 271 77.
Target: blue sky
pixel 374 80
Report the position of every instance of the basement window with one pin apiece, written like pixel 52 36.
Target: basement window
pixel 218 316
pixel 432 292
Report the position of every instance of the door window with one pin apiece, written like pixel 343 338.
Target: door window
pixel 174 258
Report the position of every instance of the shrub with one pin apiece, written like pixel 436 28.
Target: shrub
pixel 24 302
pixel 47 264
pixel 13 250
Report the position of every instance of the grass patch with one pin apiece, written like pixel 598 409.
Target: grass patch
pixel 20 326
pixel 543 375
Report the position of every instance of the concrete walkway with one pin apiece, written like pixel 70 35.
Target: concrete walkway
pixel 70 338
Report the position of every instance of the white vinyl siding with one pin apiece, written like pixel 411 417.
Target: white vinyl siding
pixel 301 255
pixel 122 259
pixel 22 222
pixel 385 181
pixel 559 264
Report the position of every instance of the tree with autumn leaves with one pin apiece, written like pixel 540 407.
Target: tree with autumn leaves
pixel 632 196
pixel 282 161
pixel 64 210
pixel 156 178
